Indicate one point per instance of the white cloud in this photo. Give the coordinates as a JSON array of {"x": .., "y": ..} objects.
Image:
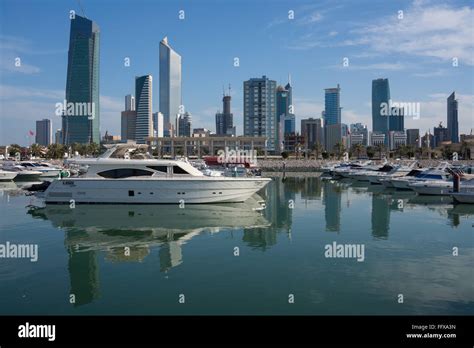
[{"x": 438, "y": 31}]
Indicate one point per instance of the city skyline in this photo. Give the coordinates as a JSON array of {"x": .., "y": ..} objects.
[{"x": 413, "y": 84}]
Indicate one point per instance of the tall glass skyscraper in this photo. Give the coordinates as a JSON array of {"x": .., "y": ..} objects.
[
  {"x": 82, "y": 85},
  {"x": 44, "y": 132},
  {"x": 143, "y": 108},
  {"x": 170, "y": 85},
  {"x": 453, "y": 125},
  {"x": 332, "y": 106},
  {"x": 260, "y": 117},
  {"x": 380, "y": 94}
]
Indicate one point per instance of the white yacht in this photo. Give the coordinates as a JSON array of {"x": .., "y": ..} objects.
[
  {"x": 21, "y": 172},
  {"x": 7, "y": 175},
  {"x": 438, "y": 173},
  {"x": 46, "y": 170},
  {"x": 441, "y": 187},
  {"x": 396, "y": 171},
  {"x": 117, "y": 180}
]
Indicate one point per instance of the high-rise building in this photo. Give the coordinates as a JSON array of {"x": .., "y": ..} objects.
[
  {"x": 158, "y": 124},
  {"x": 128, "y": 120},
  {"x": 143, "y": 108},
  {"x": 413, "y": 137},
  {"x": 129, "y": 103},
  {"x": 260, "y": 110},
  {"x": 312, "y": 131},
  {"x": 333, "y": 136},
  {"x": 44, "y": 132},
  {"x": 225, "y": 120},
  {"x": 396, "y": 120},
  {"x": 183, "y": 125},
  {"x": 332, "y": 106},
  {"x": 380, "y": 94},
  {"x": 58, "y": 136},
  {"x": 359, "y": 129},
  {"x": 453, "y": 126},
  {"x": 81, "y": 124},
  {"x": 440, "y": 134},
  {"x": 170, "y": 85}
]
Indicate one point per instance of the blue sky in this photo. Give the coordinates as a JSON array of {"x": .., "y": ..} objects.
[{"x": 415, "y": 53}]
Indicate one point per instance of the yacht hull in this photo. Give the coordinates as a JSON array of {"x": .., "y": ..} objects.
[
  {"x": 7, "y": 176},
  {"x": 153, "y": 191}
]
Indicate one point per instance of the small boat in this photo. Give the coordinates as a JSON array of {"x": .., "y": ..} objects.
[
  {"x": 22, "y": 173},
  {"x": 6, "y": 175},
  {"x": 463, "y": 197}
]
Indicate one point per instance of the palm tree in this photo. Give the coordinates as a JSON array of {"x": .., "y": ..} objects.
[
  {"x": 317, "y": 148},
  {"x": 56, "y": 151},
  {"x": 339, "y": 147},
  {"x": 13, "y": 149},
  {"x": 358, "y": 149},
  {"x": 36, "y": 150},
  {"x": 380, "y": 149},
  {"x": 93, "y": 149}
]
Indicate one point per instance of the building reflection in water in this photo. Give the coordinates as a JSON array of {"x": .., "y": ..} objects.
[
  {"x": 380, "y": 215},
  {"x": 128, "y": 233},
  {"x": 332, "y": 197}
]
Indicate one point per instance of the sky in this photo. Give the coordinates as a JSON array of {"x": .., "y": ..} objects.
[{"x": 412, "y": 43}]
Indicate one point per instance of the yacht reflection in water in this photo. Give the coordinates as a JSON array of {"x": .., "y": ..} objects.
[{"x": 127, "y": 233}]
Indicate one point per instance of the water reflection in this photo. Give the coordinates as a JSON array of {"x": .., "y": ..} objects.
[{"x": 128, "y": 233}]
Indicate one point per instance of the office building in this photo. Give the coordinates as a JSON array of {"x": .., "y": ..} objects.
[
  {"x": 183, "y": 125},
  {"x": 81, "y": 123},
  {"x": 44, "y": 132},
  {"x": 453, "y": 125},
  {"x": 332, "y": 106},
  {"x": 397, "y": 139},
  {"x": 380, "y": 94},
  {"x": 440, "y": 135},
  {"x": 170, "y": 85},
  {"x": 158, "y": 125},
  {"x": 225, "y": 120},
  {"x": 260, "y": 110},
  {"x": 413, "y": 137},
  {"x": 143, "y": 108},
  {"x": 313, "y": 132}
]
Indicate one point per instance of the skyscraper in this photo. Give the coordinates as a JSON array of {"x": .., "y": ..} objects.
[
  {"x": 158, "y": 124},
  {"x": 332, "y": 106},
  {"x": 453, "y": 126},
  {"x": 440, "y": 134},
  {"x": 143, "y": 107},
  {"x": 396, "y": 120},
  {"x": 260, "y": 110},
  {"x": 380, "y": 94},
  {"x": 312, "y": 131},
  {"x": 129, "y": 102},
  {"x": 44, "y": 132},
  {"x": 170, "y": 85},
  {"x": 183, "y": 125},
  {"x": 225, "y": 120},
  {"x": 413, "y": 137},
  {"x": 82, "y": 124}
]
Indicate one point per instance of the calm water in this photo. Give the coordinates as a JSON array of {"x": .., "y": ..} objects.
[{"x": 408, "y": 243}]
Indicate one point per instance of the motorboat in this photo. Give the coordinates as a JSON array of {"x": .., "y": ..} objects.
[
  {"x": 137, "y": 181},
  {"x": 396, "y": 171},
  {"x": 436, "y": 173},
  {"x": 21, "y": 172},
  {"x": 46, "y": 169},
  {"x": 464, "y": 196},
  {"x": 7, "y": 175}
]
